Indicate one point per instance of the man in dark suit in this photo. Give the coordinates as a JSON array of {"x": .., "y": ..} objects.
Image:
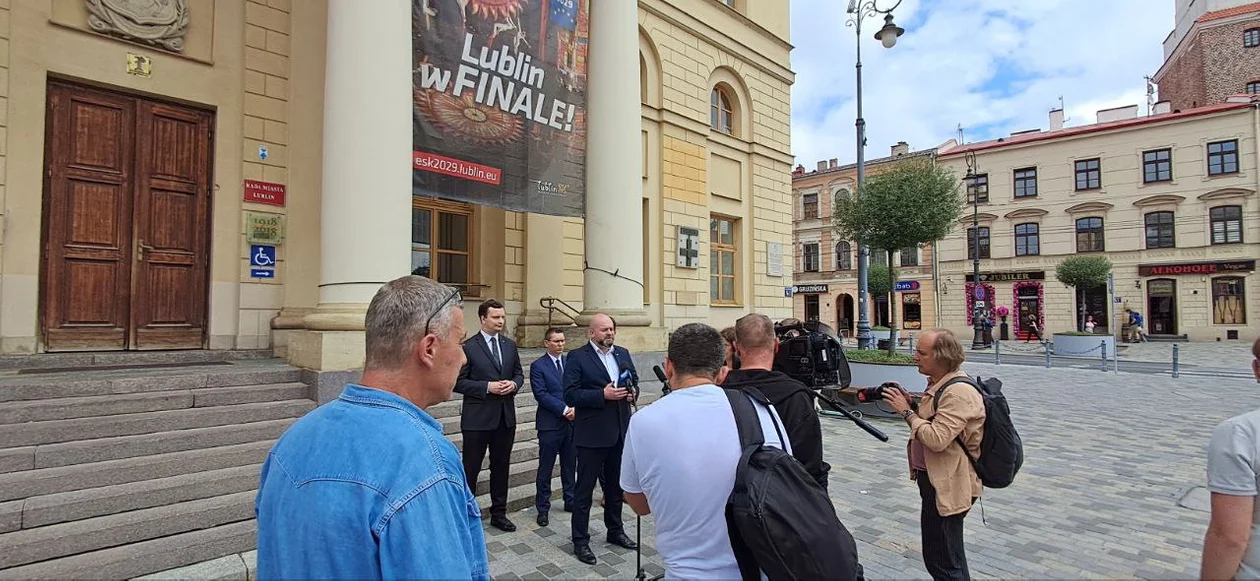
[
  {"x": 489, "y": 382},
  {"x": 599, "y": 382},
  {"x": 555, "y": 424}
]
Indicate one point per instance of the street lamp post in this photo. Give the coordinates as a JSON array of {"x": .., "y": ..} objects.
[
  {"x": 887, "y": 36},
  {"x": 977, "y": 292}
]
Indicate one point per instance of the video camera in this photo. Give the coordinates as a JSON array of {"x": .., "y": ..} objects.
[{"x": 811, "y": 353}]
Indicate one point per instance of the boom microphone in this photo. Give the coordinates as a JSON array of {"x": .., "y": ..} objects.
[{"x": 664, "y": 380}]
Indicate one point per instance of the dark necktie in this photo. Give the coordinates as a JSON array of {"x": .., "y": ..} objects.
[
  {"x": 559, "y": 368},
  {"x": 494, "y": 351}
]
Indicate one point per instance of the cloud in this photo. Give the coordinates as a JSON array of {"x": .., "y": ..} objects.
[{"x": 991, "y": 66}]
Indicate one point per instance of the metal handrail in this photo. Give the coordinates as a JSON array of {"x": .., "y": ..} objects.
[{"x": 549, "y": 303}]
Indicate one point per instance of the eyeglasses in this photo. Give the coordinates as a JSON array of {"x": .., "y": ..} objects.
[{"x": 454, "y": 296}]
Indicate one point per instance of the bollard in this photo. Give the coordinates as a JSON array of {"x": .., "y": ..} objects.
[
  {"x": 1048, "y": 348},
  {"x": 1176, "y": 360},
  {"x": 997, "y": 352},
  {"x": 1115, "y": 360},
  {"x": 1103, "y": 362}
]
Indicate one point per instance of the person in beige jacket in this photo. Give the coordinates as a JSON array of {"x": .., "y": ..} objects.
[{"x": 948, "y": 484}]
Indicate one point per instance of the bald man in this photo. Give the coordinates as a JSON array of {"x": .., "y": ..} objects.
[{"x": 599, "y": 383}]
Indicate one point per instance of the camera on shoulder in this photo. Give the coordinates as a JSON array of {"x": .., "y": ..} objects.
[{"x": 812, "y": 354}]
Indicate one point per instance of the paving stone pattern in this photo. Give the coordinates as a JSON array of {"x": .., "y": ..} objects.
[{"x": 1109, "y": 457}]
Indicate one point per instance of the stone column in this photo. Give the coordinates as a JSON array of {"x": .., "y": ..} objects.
[
  {"x": 365, "y": 217},
  {"x": 614, "y": 187}
]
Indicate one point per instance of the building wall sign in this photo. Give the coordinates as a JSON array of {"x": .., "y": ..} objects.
[
  {"x": 906, "y": 286},
  {"x": 264, "y": 193},
  {"x": 499, "y": 103},
  {"x": 1008, "y": 276},
  {"x": 809, "y": 289},
  {"x": 1201, "y": 268},
  {"x": 774, "y": 259},
  {"x": 264, "y": 228}
]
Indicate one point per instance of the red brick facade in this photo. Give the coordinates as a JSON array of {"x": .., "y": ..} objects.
[{"x": 1211, "y": 64}]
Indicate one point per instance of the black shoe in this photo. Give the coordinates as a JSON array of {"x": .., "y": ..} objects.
[
  {"x": 621, "y": 540},
  {"x": 568, "y": 508},
  {"x": 584, "y": 554},
  {"x": 542, "y": 519},
  {"x": 503, "y": 524}
]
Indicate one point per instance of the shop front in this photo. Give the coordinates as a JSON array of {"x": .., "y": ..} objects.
[
  {"x": 1022, "y": 292},
  {"x": 1197, "y": 300}
]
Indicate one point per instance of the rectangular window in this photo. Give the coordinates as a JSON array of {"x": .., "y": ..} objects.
[
  {"x": 984, "y": 242},
  {"x": 1027, "y": 239},
  {"x": 811, "y": 307},
  {"x": 441, "y": 241},
  {"x": 1251, "y": 37},
  {"x": 878, "y": 257},
  {"x": 1026, "y": 182},
  {"x": 844, "y": 256},
  {"x": 811, "y": 257},
  {"x": 1088, "y": 174},
  {"x": 1253, "y": 88},
  {"x": 810, "y": 204},
  {"x": 1229, "y": 306},
  {"x": 722, "y": 259},
  {"x": 1089, "y": 235},
  {"x": 1226, "y": 224},
  {"x": 1160, "y": 230},
  {"x": 911, "y": 311},
  {"x": 1222, "y": 157},
  {"x": 979, "y": 189},
  {"x": 1157, "y": 166},
  {"x": 909, "y": 256}
]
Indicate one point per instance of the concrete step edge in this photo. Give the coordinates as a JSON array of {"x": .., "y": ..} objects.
[
  {"x": 139, "y": 445},
  {"x": 79, "y": 384}
]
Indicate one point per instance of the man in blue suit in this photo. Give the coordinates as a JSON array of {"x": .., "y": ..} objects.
[
  {"x": 555, "y": 424},
  {"x": 599, "y": 382}
]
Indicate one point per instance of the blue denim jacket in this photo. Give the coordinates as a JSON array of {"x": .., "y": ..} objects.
[{"x": 367, "y": 487}]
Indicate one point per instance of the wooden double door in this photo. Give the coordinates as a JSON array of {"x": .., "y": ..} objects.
[{"x": 126, "y": 222}]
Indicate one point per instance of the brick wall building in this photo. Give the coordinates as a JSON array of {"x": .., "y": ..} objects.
[{"x": 1217, "y": 57}]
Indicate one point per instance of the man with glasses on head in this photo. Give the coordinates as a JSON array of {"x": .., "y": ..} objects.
[
  {"x": 555, "y": 425},
  {"x": 367, "y": 486}
]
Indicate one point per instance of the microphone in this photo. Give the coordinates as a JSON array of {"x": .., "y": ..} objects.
[
  {"x": 664, "y": 380},
  {"x": 627, "y": 379}
]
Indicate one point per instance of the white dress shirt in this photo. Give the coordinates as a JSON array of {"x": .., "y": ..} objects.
[{"x": 610, "y": 362}]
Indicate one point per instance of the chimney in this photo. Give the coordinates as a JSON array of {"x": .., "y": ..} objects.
[
  {"x": 822, "y": 165},
  {"x": 835, "y": 162},
  {"x": 902, "y": 148},
  {"x": 1056, "y": 119},
  {"x": 1118, "y": 114},
  {"x": 1162, "y": 107}
]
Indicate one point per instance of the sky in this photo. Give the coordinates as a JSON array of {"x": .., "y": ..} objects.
[{"x": 992, "y": 66}]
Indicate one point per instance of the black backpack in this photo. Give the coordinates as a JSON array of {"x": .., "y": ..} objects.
[
  {"x": 780, "y": 520},
  {"x": 1001, "y": 451}
]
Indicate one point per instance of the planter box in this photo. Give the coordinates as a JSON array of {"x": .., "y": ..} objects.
[
  {"x": 1083, "y": 345},
  {"x": 872, "y": 374},
  {"x": 877, "y": 335}
]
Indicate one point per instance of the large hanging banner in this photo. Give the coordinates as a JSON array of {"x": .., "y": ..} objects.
[{"x": 500, "y": 103}]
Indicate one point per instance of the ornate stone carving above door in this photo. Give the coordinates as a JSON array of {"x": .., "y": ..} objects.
[{"x": 161, "y": 23}]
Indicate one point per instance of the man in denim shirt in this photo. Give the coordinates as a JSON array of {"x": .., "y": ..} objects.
[{"x": 367, "y": 487}]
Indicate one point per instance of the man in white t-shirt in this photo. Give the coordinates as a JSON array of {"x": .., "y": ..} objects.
[
  {"x": 1231, "y": 548},
  {"x": 680, "y": 458}
]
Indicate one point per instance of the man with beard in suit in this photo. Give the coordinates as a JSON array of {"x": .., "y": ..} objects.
[
  {"x": 600, "y": 381},
  {"x": 489, "y": 382}
]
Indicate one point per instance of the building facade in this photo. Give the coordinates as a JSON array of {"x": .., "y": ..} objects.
[
  {"x": 1213, "y": 53},
  {"x": 143, "y": 164},
  {"x": 1170, "y": 199},
  {"x": 824, "y": 275}
]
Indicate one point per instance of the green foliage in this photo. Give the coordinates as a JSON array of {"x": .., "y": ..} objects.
[
  {"x": 913, "y": 203},
  {"x": 878, "y": 356},
  {"x": 880, "y": 328},
  {"x": 1083, "y": 272},
  {"x": 877, "y": 279}
]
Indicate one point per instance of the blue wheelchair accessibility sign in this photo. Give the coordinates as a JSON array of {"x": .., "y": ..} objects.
[{"x": 264, "y": 256}]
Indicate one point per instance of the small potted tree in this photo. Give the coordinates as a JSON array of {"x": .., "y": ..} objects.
[
  {"x": 1081, "y": 273},
  {"x": 1004, "y": 332}
]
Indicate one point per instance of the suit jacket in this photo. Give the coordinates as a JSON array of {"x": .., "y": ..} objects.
[
  {"x": 484, "y": 410},
  {"x": 598, "y": 423},
  {"x": 548, "y": 387}
]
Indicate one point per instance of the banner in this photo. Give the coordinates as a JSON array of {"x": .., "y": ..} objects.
[{"x": 499, "y": 90}]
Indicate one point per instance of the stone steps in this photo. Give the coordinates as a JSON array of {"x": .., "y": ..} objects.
[{"x": 107, "y": 405}]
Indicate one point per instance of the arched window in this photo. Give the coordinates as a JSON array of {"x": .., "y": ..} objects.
[
  {"x": 841, "y": 194},
  {"x": 720, "y": 110},
  {"x": 844, "y": 256}
]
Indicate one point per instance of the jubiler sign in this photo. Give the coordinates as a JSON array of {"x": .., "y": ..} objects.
[
  {"x": 1196, "y": 268},
  {"x": 499, "y": 90}
]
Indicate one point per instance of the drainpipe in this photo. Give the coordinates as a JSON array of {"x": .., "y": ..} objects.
[
  {"x": 936, "y": 283},
  {"x": 1255, "y": 118}
]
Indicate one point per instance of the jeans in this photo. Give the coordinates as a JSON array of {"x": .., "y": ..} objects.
[{"x": 943, "y": 553}]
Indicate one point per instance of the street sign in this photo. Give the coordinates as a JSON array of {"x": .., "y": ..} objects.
[
  {"x": 262, "y": 255},
  {"x": 787, "y": 291},
  {"x": 979, "y": 293},
  {"x": 906, "y": 285},
  {"x": 262, "y": 273},
  {"x": 689, "y": 248},
  {"x": 1118, "y": 300}
]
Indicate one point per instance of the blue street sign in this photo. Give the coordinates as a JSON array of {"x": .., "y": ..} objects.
[
  {"x": 262, "y": 273},
  {"x": 262, "y": 255},
  {"x": 906, "y": 285},
  {"x": 979, "y": 293}
]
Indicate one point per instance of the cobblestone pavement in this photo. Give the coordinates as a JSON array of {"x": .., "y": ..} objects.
[{"x": 1103, "y": 492}]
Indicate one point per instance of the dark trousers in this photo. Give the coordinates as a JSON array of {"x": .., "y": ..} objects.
[
  {"x": 499, "y": 442},
  {"x": 593, "y": 464},
  {"x": 943, "y": 553},
  {"x": 550, "y": 444}
]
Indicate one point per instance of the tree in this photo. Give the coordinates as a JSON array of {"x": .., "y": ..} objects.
[
  {"x": 1083, "y": 272},
  {"x": 912, "y": 203},
  {"x": 880, "y": 281}
]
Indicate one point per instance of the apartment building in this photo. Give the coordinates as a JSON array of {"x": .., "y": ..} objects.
[
  {"x": 1214, "y": 52},
  {"x": 825, "y": 273},
  {"x": 1169, "y": 198}
]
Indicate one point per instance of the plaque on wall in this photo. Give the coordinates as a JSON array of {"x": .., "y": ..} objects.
[{"x": 774, "y": 258}]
